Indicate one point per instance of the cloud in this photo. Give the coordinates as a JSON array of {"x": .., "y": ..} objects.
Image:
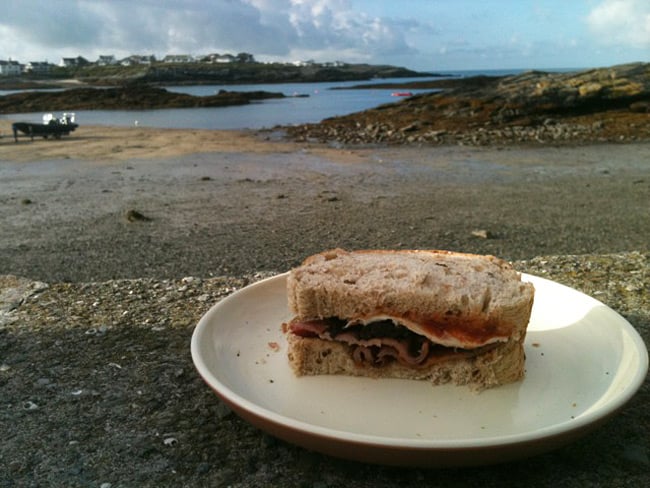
[
  {"x": 332, "y": 26},
  {"x": 48, "y": 23},
  {"x": 624, "y": 22},
  {"x": 274, "y": 29}
]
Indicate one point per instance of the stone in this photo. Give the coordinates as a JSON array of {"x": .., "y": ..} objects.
[
  {"x": 135, "y": 216},
  {"x": 483, "y": 234}
]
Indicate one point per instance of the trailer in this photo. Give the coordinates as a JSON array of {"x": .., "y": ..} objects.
[{"x": 51, "y": 127}]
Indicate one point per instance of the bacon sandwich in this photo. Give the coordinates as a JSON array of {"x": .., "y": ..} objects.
[{"x": 440, "y": 316}]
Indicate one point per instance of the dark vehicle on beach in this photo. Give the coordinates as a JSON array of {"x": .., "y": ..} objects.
[{"x": 51, "y": 126}]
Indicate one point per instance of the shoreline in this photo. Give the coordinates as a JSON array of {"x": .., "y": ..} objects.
[
  {"x": 121, "y": 143},
  {"x": 114, "y": 143},
  {"x": 229, "y": 202}
]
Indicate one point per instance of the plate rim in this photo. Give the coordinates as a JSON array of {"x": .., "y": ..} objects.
[{"x": 583, "y": 422}]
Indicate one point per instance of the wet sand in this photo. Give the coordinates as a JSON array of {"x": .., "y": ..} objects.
[{"x": 110, "y": 203}]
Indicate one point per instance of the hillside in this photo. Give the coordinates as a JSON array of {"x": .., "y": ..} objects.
[{"x": 209, "y": 73}]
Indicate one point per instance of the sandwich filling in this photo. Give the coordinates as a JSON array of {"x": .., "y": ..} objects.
[{"x": 381, "y": 340}]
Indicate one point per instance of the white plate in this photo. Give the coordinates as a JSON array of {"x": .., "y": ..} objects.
[{"x": 583, "y": 363}]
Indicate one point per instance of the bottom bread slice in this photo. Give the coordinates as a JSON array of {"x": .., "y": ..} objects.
[{"x": 498, "y": 365}]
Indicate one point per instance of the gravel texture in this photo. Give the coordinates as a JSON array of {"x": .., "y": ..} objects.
[
  {"x": 229, "y": 213},
  {"x": 98, "y": 389},
  {"x": 107, "y": 265}
]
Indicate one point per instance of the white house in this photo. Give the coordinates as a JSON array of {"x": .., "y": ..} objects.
[
  {"x": 224, "y": 58},
  {"x": 309, "y": 62},
  {"x": 178, "y": 58},
  {"x": 138, "y": 59},
  {"x": 37, "y": 67},
  {"x": 9, "y": 68},
  {"x": 218, "y": 58}
]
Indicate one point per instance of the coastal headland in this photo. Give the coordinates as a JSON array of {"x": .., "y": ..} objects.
[
  {"x": 606, "y": 104},
  {"x": 160, "y": 73}
]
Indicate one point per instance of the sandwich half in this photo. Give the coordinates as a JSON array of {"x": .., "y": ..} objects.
[{"x": 440, "y": 316}]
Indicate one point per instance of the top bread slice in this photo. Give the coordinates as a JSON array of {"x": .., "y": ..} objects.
[{"x": 473, "y": 293}]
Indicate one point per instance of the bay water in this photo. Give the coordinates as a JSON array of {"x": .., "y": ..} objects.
[{"x": 304, "y": 103}]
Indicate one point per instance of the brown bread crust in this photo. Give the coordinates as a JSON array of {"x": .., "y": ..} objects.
[
  {"x": 475, "y": 297},
  {"x": 497, "y": 366},
  {"x": 479, "y": 294}
]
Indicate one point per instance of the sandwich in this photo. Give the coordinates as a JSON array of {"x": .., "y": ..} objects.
[{"x": 440, "y": 316}]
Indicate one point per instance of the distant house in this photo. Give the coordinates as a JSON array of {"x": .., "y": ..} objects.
[
  {"x": 227, "y": 58},
  {"x": 78, "y": 61},
  {"x": 309, "y": 62},
  {"x": 218, "y": 58},
  {"x": 136, "y": 59},
  {"x": 9, "y": 68},
  {"x": 178, "y": 58},
  {"x": 38, "y": 67},
  {"x": 224, "y": 58},
  {"x": 106, "y": 60}
]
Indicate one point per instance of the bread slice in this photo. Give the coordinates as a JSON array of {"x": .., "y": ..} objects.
[
  {"x": 476, "y": 307},
  {"x": 479, "y": 370}
]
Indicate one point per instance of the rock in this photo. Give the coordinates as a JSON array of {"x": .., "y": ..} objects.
[
  {"x": 483, "y": 234},
  {"x": 130, "y": 96},
  {"x": 410, "y": 128},
  {"x": 134, "y": 216},
  {"x": 640, "y": 107},
  {"x": 590, "y": 89},
  {"x": 14, "y": 290}
]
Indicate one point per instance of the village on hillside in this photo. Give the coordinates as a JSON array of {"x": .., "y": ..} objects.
[{"x": 10, "y": 67}]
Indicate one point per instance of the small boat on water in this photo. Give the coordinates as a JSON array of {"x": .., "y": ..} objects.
[
  {"x": 51, "y": 126},
  {"x": 402, "y": 94}
]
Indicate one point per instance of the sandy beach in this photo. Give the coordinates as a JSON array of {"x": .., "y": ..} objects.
[
  {"x": 110, "y": 203},
  {"x": 98, "y": 143}
]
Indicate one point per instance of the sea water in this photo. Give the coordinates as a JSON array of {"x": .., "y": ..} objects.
[
  {"x": 316, "y": 102},
  {"x": 322, "y": 100}
]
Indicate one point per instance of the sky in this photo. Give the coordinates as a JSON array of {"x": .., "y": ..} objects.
[{"x": 425, "y": 35}]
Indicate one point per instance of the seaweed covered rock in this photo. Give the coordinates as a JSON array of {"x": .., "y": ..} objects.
[{"x": 136, "y": 96}]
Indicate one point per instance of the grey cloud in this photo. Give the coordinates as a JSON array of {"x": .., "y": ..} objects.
[
  {"x": 51, "y": 23},
  {"x": 263, "y": 27}
]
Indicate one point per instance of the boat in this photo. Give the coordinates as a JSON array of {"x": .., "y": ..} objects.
[
  {"x": 51, "y": 126},
  {"x": 402, "y": 94}
]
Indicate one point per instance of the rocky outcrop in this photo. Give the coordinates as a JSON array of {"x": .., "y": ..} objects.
[
  {"x": 137, "y": 96},
  {"x": 600, "y": 104}
]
